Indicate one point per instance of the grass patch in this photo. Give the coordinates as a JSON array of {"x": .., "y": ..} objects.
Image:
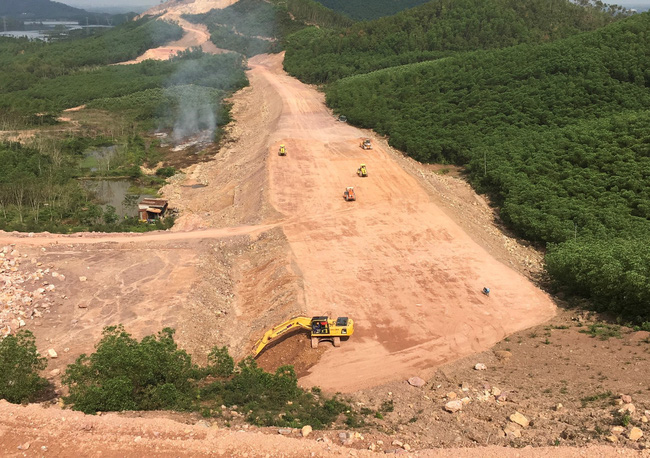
[
  {"x": 603, "y": 331},
  {"x": 596, "y": 397}
]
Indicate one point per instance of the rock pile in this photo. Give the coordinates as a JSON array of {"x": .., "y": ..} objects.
[{"x": 25, "y": 294}]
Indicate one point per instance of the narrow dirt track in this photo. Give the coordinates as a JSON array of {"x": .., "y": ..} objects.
[{"x": 393, "y": 261}]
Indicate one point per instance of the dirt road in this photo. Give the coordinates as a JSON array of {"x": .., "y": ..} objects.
[{"x": 392, "y": 260}]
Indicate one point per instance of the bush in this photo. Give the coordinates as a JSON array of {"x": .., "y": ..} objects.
[
  {"x": 124, "y": 374},
  {"x": 19, "y": 366},
  {"x": 166, "y": 172}
]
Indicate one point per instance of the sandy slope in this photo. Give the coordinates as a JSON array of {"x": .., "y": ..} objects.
[{"x": 392, "y": 260}]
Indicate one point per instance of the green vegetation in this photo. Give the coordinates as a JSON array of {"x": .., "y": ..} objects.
[
  {"x": 596, "y": 397},
  {"x": 603, "y": 331},
  {"x": 363, "y": 10},
  {"x": 19, "y": 366},
  {"x": 153, "y": 374},
  {"x": 556, "y": 134},
  {"x": 253, "y": 27},
  {"x": 436, "y": 29}
]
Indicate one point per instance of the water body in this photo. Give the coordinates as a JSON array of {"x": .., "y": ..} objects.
[
  {"x": 41, "y": 30},
  {"x": 115, "y": 193}
]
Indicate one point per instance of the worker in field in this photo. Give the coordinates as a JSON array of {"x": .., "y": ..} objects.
[{"x": 486, "y": 291}]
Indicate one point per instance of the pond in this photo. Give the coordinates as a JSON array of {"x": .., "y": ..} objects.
[{"x": 115, "y": 193}]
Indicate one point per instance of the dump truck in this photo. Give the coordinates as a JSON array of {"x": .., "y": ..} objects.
[
  {"x": 321, "y": 329},
  {"x": 362, "y": 171},
  {"x": 282, "y": 151},
  {"x": 349, "y": 194},
  {"x": 365, "y": 144}
]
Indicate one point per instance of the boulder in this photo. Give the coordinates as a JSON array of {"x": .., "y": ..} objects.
[
  {"x": 502, "y": 354},
  {"x": 306, "y": 430},
  {"x": 480, "y": 367},
  {"x": 626, "y": 398},
  {"x": 454, "y": 406},
  {"x": 512, "y": 431},
  {"x": 416, "y": 381},
  {"x": 519, "y": 419},
  {"x": 635, "y": 434},
  {"x": 52, "y": 353}
]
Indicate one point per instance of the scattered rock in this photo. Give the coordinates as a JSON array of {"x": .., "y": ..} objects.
[
  {"x": 627, "y": 408},
  {"x": 503, "y": 355},
  {"x": 512, "y": 431},
  {"x": 635, "y": 434},
  {"x": 612, "y": 438},
  {"x": 519, "y": 419},
  {"x": 24, "y": 446},
  {"x": 285, "y": 431},
  {"x": 397, "y": 443},
  {"x": 82, "y": 279},
  {"x": 55, "y": 372},
  {"x": 451, "y": 395},
  {"x": 559, "y": 407},
  {"x": 81, "y": 305},
  {"x": 626, "y": 398},
  {"x": 617, "y": 430},
  {"x": 644, "y": 419},
  {"x": 306, "y": 430},
  {"x": 454, "y": 406},
  {"x": 52, "y": 353},
  {"x": 416, "y": 381},
  {"x": 466, "y": 400},
  {"x": 502, "y": 397},
  {"x": 407, "y": 447},
  {"x": 496, "y": 391},
  {"x": 480, "y": 367}
]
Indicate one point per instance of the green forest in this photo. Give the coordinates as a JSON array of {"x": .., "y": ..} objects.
[
  {"x": 364, "y": 10},
  {"x": 253, "y": 27},
  {"x": 39, "y": 181},
  {"x": 436, "y": 29},
  {"x": 556, "y": 133}
]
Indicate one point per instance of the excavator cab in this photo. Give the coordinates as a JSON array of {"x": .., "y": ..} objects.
[
  {"x": 319, "y": 325},
  {"x": 349, "y": 194},
  {"x": 282, "y": 151},
  {"x": 362, "y": 171}
]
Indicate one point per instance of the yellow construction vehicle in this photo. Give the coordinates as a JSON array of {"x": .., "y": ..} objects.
[
  {"x": 366, "y": 144},
  {"x": 362, "y": 171},
  {"x": 282, "y": 151},
  {"x": 321, "y": 329}
]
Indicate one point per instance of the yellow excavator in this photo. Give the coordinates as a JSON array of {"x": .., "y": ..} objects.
[
  {"x": 362, "y": 171},
  {"x": 366, "y": 144},
  {"x": 282, "y": 151},
  {"x": 321, "y": 329}
]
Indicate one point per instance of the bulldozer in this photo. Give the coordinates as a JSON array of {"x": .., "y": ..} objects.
[
  {"x": 365, "y": 144},
  {"x": 282, "y": 151},
  {"x": 321, "y": 329},
  {"x": 362, "y": 171},
  {"x": 349, "y": 194}
]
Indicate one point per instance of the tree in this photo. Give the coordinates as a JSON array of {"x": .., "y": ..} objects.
[{"x": 19, "y": 366}]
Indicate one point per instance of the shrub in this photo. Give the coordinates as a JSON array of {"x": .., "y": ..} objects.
[
  {"x": 124, "y": 374},
  {"x": 220, "y": 363},
  {"x": 19, "y": 366},
  {"x": 166, "y": 172}
]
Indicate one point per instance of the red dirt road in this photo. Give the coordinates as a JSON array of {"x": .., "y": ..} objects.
[{"x": 393, "y": 261}]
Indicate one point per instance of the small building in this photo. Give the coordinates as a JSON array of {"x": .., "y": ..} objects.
[{"x": 152, "y": 209}]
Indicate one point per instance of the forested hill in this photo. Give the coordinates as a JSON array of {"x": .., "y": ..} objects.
[
  {"x": 436, "y": 29},
  {"x": 39, "y": 9},
  {"x": 363, "y": 10},
  {"x": 556, "y": 133}
]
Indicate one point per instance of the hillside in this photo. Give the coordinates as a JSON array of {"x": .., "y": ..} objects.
[
  {"x": 39, "y": 9},
  {"x": 555, "y": 133},
  {"x": 433, "y": 30},
  {"x": 363, "y": 10}
]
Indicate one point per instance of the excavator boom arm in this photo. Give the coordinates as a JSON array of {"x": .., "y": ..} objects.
[{"x": 290, "y": 325}]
